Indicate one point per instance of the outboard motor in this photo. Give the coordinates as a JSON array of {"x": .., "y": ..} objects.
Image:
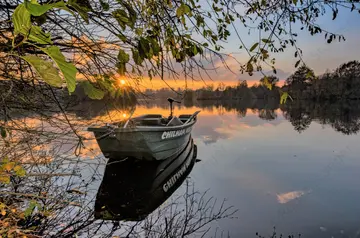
[{"x": 171, "y": 100}]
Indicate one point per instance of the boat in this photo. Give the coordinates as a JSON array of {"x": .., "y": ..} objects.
[
  {"x": 132, "y": 189},
  {"x": 146, "y": 137}
]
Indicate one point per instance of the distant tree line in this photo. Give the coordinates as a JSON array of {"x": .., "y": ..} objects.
[{"x": 341, "y": 84}]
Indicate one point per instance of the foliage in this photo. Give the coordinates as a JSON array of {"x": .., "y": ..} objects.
[
  {"x": 9, "y": 169},
  {"x": 341, "y": 84},
  {"x": 145, "y": 38}
]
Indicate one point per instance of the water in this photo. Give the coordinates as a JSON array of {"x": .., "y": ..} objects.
[{"x": 295, "y": 167}]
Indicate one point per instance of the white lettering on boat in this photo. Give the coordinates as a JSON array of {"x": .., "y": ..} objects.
[
  {"x": 176, "y": 176},
  {"x": 172, "y": 134}
]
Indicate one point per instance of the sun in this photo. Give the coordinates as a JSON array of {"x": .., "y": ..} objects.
[{"x": 122, "y": 82}]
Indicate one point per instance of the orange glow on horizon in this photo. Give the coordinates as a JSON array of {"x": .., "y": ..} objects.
[{"x": 157, "y": 83}]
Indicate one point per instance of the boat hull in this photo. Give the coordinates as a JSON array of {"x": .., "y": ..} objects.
[
  {"x": 131, "y": 189},
  {"x": 157, "y": 143}
]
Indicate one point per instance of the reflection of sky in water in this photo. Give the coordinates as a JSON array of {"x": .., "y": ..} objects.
[{"x": 302, "y": 183}]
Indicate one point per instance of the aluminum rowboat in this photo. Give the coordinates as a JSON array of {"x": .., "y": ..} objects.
[{"x": 147, "y": 137}]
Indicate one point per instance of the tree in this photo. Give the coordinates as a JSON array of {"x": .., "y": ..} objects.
[
  {"x": 299, "y": 81},
  {"x": 221, "y": 86},
  {"x": 144, "y": 38}
]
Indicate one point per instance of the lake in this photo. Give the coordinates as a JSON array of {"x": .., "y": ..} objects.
[{"x": 295, "y": 167}]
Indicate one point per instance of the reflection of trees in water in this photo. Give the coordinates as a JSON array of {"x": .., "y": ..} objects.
[
  {"x": 300, "y": 120},
  {"x": 343, "y": 117},
  {"x": 267, "y": 114}
]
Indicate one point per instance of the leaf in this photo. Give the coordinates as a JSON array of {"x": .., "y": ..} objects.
[
  {"x": 82, "y": 7},
  {"x": 3, "y": 132},
  {"x": 36, "y": 9},
  {"x": 121, "y": 68},
  {"x": 249, "y": 67},
  {"x": 21, "y": 20},
  {"x": 8, "y": 166},
  {"x": 139, "y": 31},
  {"x": 182, "y": 10},
  {"x": 122, "y": 18},
  {"x": 254, "y": 46},
  {"x": 266, "y": 41},
  {"x": 29, "y": 210},
  {"x": 274, "y": 70},
  {"x": 37, "y": 35},
  {"x": 136, "y": 56},
  {"x": 267, "y": 83},
  {"x": 297, "y": 63},
  {"x": 4, "y": 179},
  {"x": 91, "y": 91},
  {"x": 68, "y": 69},
  {"x": 45, "y": 69},
  {"x": 19, "y": 171},
  {"x": 194, "y": 49},
  {"x": 123, "y": 57},
  {"x": 104, "y": 5},
  {"x": 284, "y": 97}
]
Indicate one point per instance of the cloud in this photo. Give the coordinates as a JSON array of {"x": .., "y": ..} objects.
[{"x": 289, "y": 196}]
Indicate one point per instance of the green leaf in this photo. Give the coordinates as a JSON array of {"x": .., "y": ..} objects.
[
  {"x": 123, "y": 57},
  {"x": 122, "y": 18},
  {"x": 68, "y": 69},
  {"x": 121, "y": 68},
  {"x": 182, "y": 10},
  {"x": 19, "y": 171},
  {"x": 36, "y": 9},
  {"x": 3, "y": 132},
  {"x": 139, "y": 31},
  {"x": 38, "y": 36},
  {"x": 104, "y": 5},
  {"x": 91, "y": 91},
  {"x": 21, "y": 20},
  {"x": 297, "y": 63},
  {"x": 136, "y": 56},
  {"x": 29, "y": 210},
  {"x": 254, "y": 46},
  {"x": 194, "y": 49},
  {"x": 266, "y": 41},
  {"x": 45, "y": 69},
  {"x": 82, "y": 7},
  {"x": 284, "y": 97}
]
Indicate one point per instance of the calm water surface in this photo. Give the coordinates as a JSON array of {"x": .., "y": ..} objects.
[
  {"x": 300, "y": 182},
  {"x": 294, "y": 167}
]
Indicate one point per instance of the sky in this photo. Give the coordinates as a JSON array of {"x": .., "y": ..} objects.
[{"x": 317, "y": 54}]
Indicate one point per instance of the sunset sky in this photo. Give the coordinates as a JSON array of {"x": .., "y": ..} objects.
[{"x": 317, "y": 53}]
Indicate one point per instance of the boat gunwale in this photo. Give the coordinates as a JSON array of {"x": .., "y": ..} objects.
[{"x": 141, "y": 128}]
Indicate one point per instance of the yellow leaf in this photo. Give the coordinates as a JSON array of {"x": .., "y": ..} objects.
[
  {"x": 3, "y": 212},
  {"x": 4, "y": 179},
  {"x": 8, "y": 166}
]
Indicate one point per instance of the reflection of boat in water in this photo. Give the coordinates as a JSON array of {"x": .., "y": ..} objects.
[
  {"x": 132, "y": 189},
  {"x": 149, "y": 137}
]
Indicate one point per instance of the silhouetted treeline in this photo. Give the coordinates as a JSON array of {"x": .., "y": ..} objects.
[
  {"x": 264, "y": 90},
  {"x": 341, "y": 84}
]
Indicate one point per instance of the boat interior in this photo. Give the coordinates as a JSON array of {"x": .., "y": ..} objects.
[{"x": 159, "y": 120}]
